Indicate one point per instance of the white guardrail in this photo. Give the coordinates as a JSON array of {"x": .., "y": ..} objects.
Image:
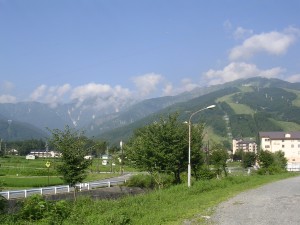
[{"x": 59, "y": 189}]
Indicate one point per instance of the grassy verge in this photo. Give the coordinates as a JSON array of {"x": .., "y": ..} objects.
[{"x": 171, "y": 206}]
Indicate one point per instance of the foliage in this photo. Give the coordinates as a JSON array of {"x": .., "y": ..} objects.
[
  {"x": 219, "y": 157},
  {"x": 34, "y": 208},
  {"x": 206, "y": 174},
  {"x": 142, "y": 181},
  {"x": 150, "y": 181},
  {"x": 265, "y": 159},
  {"x": 3, "y": 201},
  {"x": 280, "y": 160},
  {"x": 161, "y": 147},
  {"x": 271, "y": 163},
  {"x": 25, "y": 146},
  {"x": 248, "y": 159},
  {"x": 238, "y": 155},
  {"x": 73, "y": 146}
]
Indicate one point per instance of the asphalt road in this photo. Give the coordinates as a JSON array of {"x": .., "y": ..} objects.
[{"x": 272, "y": 204}]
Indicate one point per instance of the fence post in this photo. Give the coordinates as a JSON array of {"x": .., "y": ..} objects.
[
  {"x": 55, "y": 190},
  {"x": 25, "y": 193},
  {"x": 41, "y": 191},
  {"x": 88, "y": 184},
  {"x": 108, "y": 183},
  {"x": 68, "y": 188},
  {"x": 8, "y": 195}
]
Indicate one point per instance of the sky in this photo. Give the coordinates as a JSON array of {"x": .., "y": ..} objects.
[{"x": 64, "y": 50}]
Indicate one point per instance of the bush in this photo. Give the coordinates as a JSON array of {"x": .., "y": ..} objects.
[
  {"x": 142, "y": 181},
  {"x": 156, "y": 180},
  {"x": 34, "y": 208},
  {"x": 3, "y": 204},
  {"x": 206, "y": 174}
]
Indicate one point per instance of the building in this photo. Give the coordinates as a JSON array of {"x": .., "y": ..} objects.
[
  {"x": 244, "y": 144},
  {"x": 45, "y": 154},
  {"x": 288, "y": 142}
]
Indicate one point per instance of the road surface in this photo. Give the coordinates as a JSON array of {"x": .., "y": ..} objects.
[{"x": 272, "y": 204}]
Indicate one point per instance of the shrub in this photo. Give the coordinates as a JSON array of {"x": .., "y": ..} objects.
[
  {"x": 3, "y": 204},
  {"x": 206, "y": 174},
  {"x": 34, "y": 208},
  {"x": 142, "y": 181}
]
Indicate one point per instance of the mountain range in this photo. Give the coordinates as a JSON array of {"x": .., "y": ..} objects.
[{"x": 244, "y": 107}]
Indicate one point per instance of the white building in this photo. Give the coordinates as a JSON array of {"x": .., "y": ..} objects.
[
  {"x": 244, "y": 144},
  {"x": 45, "y": 154},
  {"x": 288, "y": 142}
]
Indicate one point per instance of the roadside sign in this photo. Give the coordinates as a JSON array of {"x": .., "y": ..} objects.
[{"x": 48, "y": 164}]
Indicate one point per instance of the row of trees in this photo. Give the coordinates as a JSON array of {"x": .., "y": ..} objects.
[{"x": 267, "y": 161}]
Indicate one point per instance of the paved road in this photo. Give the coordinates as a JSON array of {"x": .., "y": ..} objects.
[{"x": 272, "y": 204}]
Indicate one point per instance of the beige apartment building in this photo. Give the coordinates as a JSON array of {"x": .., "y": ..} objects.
[
  {"x": 244, "y": 144},
  {"x": 288, "y": 142}
]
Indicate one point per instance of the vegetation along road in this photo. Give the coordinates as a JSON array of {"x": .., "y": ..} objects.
[{"x": 275, "y": 203}]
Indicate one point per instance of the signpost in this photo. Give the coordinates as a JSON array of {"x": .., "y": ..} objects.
[{"x": 48, "y": 164}]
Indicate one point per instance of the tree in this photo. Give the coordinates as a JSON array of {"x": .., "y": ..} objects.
[
  {"x": 219, "y": 158},
  {"x": 265, "y": 159},
  {"x": 72, "y": 145},
  {"x": 248, "y": 159},
  {"x": 272, "y": 163},
  {"x": 162, "y": 147}
]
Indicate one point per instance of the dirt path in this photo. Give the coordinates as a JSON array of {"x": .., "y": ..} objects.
[{"x": 275, "y": 203}]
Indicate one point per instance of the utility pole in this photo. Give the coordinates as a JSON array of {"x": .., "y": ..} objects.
[
  {"x": 0, "y": 145},
  {"x": 122, "y": 156}
]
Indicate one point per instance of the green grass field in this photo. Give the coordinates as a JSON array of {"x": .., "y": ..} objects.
[{"x": 18, "y": 173}]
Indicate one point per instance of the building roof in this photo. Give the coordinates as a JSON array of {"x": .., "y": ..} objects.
[{"x": 280, "y": 135}]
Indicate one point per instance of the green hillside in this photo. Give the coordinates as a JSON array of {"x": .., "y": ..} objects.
[
  {"x": 243, "y": 109},
  {"x": 14, "y": 130}
]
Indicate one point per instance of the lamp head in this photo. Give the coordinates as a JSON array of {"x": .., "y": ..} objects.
[{"x": 211, "y": 107}]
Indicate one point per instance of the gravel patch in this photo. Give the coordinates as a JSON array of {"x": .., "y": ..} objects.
[{"x": 271, "y": 204}]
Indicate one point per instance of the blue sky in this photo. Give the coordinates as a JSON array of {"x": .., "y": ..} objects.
[{"x": 61, "y": 50}]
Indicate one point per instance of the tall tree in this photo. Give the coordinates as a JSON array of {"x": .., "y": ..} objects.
[
  {"x": 219, "y": 158},
  {"x": 73, "y": 146},
  {"x": 162, "y": 147}
]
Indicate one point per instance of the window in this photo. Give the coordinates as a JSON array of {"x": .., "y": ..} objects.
[
  {"x": 267, "y": 146},
  {"x": 282, "y": 146},
  {"x": 292, "y": 146}
]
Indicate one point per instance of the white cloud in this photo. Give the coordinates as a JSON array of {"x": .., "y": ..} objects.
[
  {"x": 274, "y": 43},
  {"x": 38, "y": 93},
  {"x": 7, "y": 99},
  {"x": 236, "y": 70},
  {"x": 147, "y": 83},
  {"x": 294, "y": 78},
  {"x": 241, "y": 33},
  {"x": 168, "y": 90},
  {"x": 51, "y": 95},
  {"x": 103, "y": 94}
]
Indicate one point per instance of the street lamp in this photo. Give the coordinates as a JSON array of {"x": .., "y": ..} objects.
[{"x": 190, "y": 125}]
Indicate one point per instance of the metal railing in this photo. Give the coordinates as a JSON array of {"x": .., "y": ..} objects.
[{"x": 59, "y": 189}]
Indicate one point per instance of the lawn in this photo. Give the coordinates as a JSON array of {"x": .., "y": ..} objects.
[{"x": 18, "y": 173}]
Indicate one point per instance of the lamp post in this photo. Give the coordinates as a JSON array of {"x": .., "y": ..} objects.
[
  {"x": 122, "y": 156},
  {"x": 190, "y": 128}
]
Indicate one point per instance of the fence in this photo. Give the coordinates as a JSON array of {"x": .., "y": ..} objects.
[{"x": 59, "y": 189}]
